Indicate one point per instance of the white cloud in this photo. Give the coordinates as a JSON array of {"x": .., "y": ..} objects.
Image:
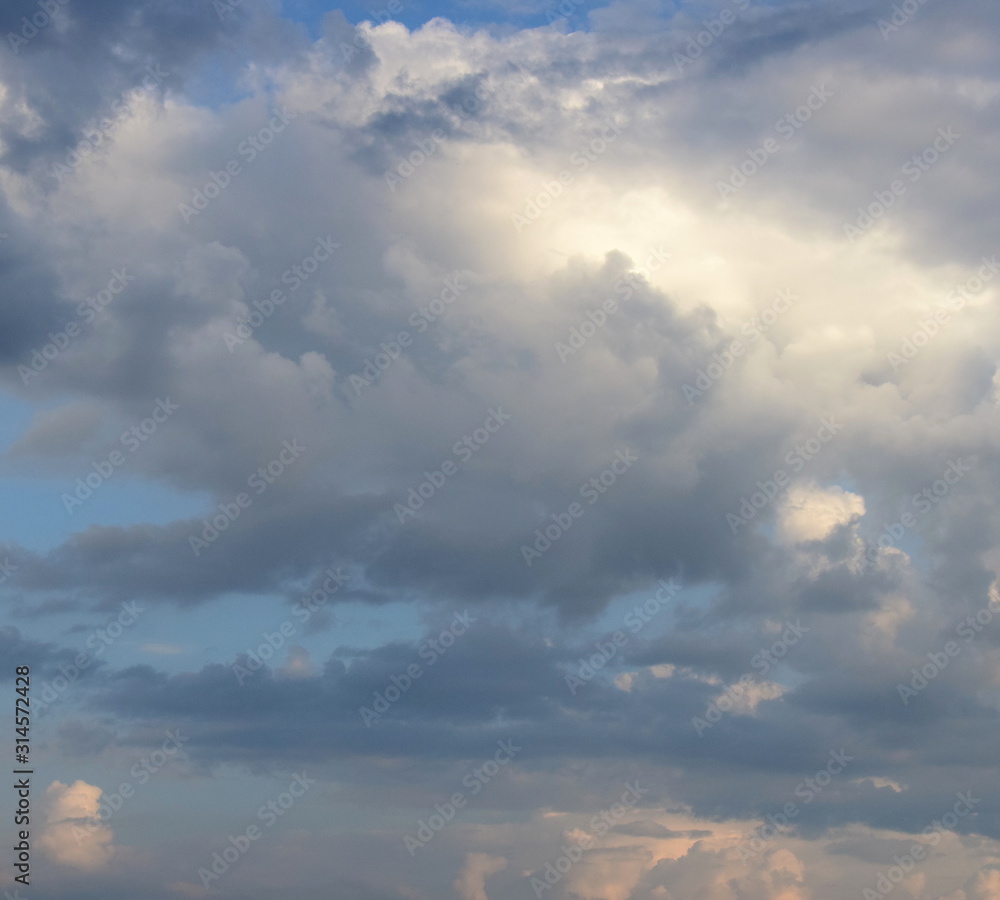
[
  {"x": 74, "y": 835},
  {"x": 471, "y": 882},
  {"x": 811, "y": 513}
]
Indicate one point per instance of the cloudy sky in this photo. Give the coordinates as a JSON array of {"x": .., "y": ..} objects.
[{"x": 496, "y": 449}]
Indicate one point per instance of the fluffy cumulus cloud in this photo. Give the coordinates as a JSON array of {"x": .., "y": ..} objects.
[
  {"x": 74, "y": 835},
  {"x": 529, "y": 449},
  {"x": 471, "y": 882}
]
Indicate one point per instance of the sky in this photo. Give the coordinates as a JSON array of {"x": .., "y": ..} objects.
[{"x": 500, "y": 450}]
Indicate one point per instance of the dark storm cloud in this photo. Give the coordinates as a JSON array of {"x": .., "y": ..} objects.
[
  {"x": 44, "y": 659},
  {"x": 495, "y": 684},
  {"x": 72, "y": 67}
]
